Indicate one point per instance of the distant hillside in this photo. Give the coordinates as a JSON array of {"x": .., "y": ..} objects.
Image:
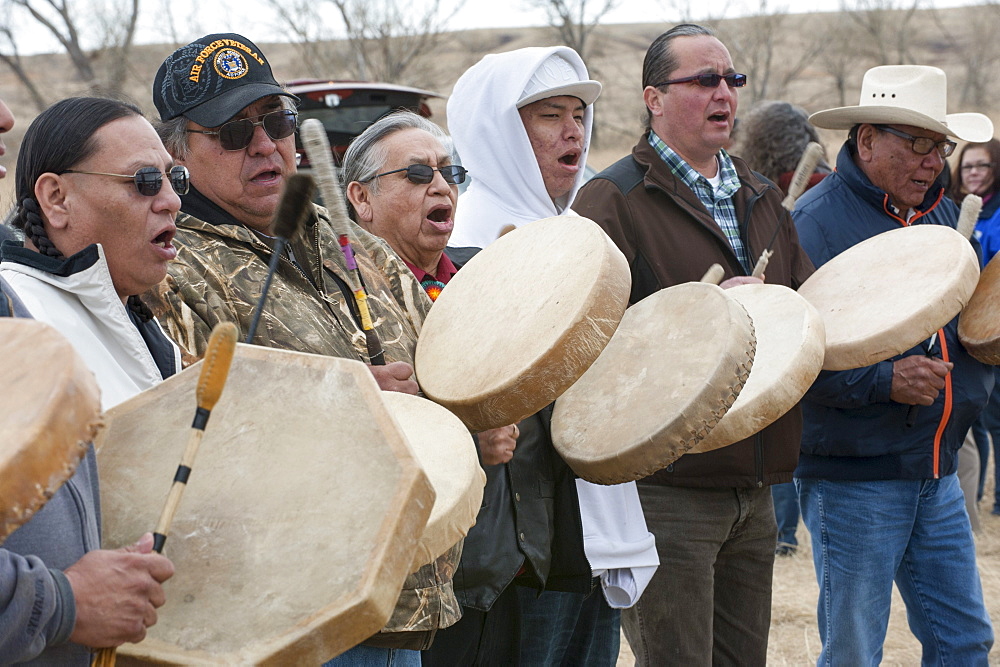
[{"x": 803, "y": 56}]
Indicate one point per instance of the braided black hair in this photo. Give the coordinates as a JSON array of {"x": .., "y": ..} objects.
[{"x": 58, "y": 139}]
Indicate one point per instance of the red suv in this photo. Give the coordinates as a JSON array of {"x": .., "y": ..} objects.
[{"x": 347, "y": 108}]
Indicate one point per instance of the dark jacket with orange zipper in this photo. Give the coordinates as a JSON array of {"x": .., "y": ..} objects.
[{"x": 852, "y": 430}]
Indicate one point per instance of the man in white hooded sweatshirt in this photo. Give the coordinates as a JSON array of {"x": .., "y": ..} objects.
[{"x": 521, "y": 123}]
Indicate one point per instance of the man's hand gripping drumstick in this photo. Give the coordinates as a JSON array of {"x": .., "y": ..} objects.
[
  {"x": 917, "y": 379},
  {"x": 803, "y": 172},
  {"x": 214, "y": 371}
]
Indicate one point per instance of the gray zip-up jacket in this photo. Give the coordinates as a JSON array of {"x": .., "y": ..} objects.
[{"x": 37, "y": 611}]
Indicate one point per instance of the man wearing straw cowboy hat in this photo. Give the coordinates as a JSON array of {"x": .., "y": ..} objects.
[{"x": 881, "y": 499}]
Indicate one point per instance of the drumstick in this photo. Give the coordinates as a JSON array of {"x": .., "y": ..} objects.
[
  {"x": 214, "y": 370},
  {"x": 803, "y": 172},
  {"x": 317, "y": 146},
  {"x": 911, "y": 413},
  {"x": 969, "y": 215},
  {"x": 506, "y": 229},
  {"x": 291, "y": 213},
  {"x": 713, "y": 275},
  {"x": 375, "y": 353}
]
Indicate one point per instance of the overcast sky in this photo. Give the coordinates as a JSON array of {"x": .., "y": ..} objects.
[{"x": 253, "y": 19}]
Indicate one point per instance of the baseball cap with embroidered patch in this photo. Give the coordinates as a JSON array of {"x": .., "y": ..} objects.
[
  {"x": 212, "y": 79},
  {"x": 556, "y": 77}
]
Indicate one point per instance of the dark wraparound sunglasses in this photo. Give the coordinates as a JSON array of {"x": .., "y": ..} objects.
[
  {"x": 921, "y": 145},
  {"x": 149, "y": 180},
  {"x": 237, "y": 134},
  {"x": 709, "y": 80},
  {"x": 422, "y": 174}
]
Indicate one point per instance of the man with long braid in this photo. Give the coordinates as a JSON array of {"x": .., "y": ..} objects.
[{"x": 98, "y": 219}]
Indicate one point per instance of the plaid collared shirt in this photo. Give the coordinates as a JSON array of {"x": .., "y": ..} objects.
[{"x": 719, "y": 202}]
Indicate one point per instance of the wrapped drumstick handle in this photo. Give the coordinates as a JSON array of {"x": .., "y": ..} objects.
[
  {"x": 969, "y": 215},
  {"x": 214, "y": 371},
  {"x": 317, "y": 146},
  {"x": 714, "y": 275},
  {"x": 803, "y": 172}
]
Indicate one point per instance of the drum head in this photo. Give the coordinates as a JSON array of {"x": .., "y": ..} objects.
[
  {"x": 673, "y": 368},
  {"x": 789, "y": 356},
  {"x": 52, "y": 410},
  {"x": 299, "y": 522},
  {"x": 445, "y": 449},
  {"x": 522, "y": 321},
  {"x": 979, "y": 323},
  {"x": 888, "y": 293}
]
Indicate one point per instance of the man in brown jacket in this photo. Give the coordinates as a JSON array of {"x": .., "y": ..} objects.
[{"x": 675, "y": 206}]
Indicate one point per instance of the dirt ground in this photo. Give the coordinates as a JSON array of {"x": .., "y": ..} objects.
[{"x": 794, "y": 639}]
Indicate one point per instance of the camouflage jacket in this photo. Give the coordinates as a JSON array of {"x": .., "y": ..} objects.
[{"x": 218, "y": 276}]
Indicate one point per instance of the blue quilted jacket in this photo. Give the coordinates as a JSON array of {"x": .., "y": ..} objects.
[{"x": 852, "y": 430}]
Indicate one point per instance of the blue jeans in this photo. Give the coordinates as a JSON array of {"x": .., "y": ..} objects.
[
  {"x": 865, "y": 535},
  {"x": 568, "y": 628},
  {"x": 786, "y": 512},
  {"x": 373, "y": 656}
]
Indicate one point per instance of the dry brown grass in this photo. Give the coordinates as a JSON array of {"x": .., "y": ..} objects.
[{"x": 794, "y": 639}]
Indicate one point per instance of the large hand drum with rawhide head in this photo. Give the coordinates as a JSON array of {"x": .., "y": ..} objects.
[
  {"x": 673, "y": 368},
  {"x": 886, "y": 294},
  {"x": 51, "y": 411},
  {"x": 979, "y": 323},
  {"x": 789, "y": 356},
  {"x": 446, "y": 451},
  {"x": 300, "y": 519},
  {"x": 522, "y": 321}
]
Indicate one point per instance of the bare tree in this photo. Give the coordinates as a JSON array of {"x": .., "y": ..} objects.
[
  {"x": 840, "y": 56},
  {"x": 302, "y": 22},
  {"x": 113, "y": 29},
  {"x": 757, "y": 42},
  {"x": 978, "y": 51},
  {"x": 886, "y": 28},
  {"x": 10, "y": 57},
  {"x": 116, "y": 42},
  {"x": 575, "y": 20},
  {"x": 387, "y": 36}
]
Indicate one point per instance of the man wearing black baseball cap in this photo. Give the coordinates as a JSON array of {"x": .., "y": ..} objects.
[{"x": 226, "y": 118}]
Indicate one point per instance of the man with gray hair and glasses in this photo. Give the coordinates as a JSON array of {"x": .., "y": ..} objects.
[{"x": 678, "y": 204}]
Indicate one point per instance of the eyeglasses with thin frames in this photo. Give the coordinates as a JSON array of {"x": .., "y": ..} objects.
[
  {"x": 237, "y": 134},
  {"x": 981, "y": 166},
  {"x": 422, "y": 174},
  {"x": 149, "y": 180},
  {"x": 711, "y": 80},
  {"x": 921, "y": 145}
]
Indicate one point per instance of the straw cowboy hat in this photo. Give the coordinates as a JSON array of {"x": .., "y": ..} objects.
[{"x": 914, "y": 95}]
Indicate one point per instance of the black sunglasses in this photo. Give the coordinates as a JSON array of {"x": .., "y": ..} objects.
[
  {"x": 149, "y": 180},
  {"x": 921, "y": 145},
  {"x": 422, "y": 174},
  {"x": 237, "y": 134},
  {"x": 709, "y": 80}
]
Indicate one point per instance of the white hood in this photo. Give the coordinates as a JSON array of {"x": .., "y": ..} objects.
[{"x": 490, "y": 139}]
